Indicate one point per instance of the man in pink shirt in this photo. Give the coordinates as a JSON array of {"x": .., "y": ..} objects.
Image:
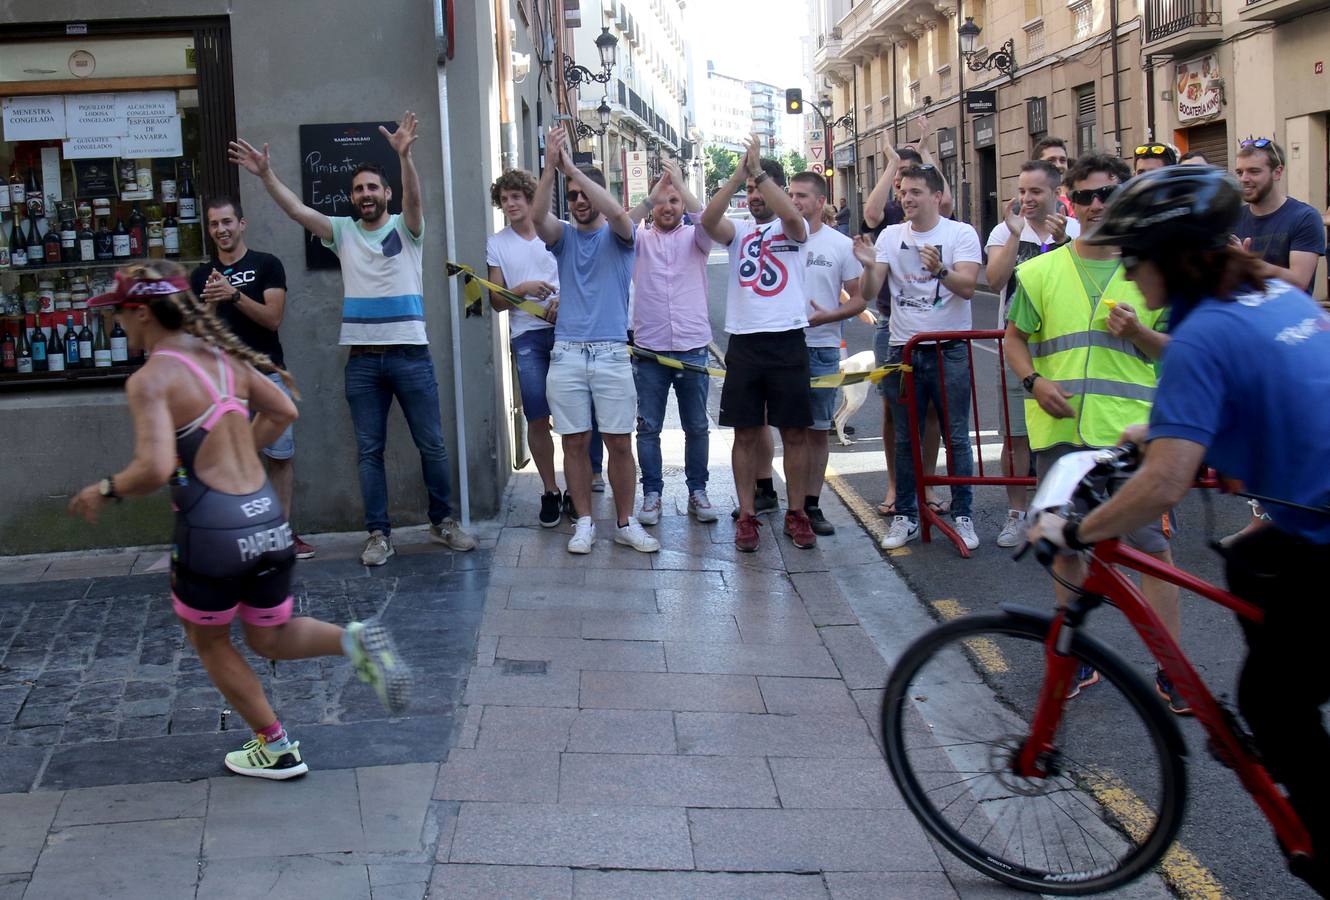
[{"x": 670, "y": 318}]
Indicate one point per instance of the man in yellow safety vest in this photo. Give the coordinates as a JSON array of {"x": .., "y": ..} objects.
[{"x": 1084, "y": 345}]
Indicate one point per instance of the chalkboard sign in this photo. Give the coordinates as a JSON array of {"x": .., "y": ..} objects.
[{"x": 328, "y": 156}]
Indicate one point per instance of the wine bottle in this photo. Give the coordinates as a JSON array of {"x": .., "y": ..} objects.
[
  {"x": 6, "y": 260},
  {"x": 8, "y": 352},
  {"x": 69, "y": 242},
  {"x": 119, "y": 345},
  {"x": 138, "y": 234},
  {"x": 23, "y": 351},
  {"x": 39, "y": 360},
  {"x": 120, "y": 240},
  {"x": 104, "y": 242},
  {"x": 101, "y": 345},
  {"x": 87, "y": 243},
  {"x": 86, "y": 351},
  {"x": 36, "y": 250},
  {"x": 36, "y": 200},
  {"x": 18, "y": 248},
  {"x": 17, "y": 192},
  {"x": 171, "y": 236},
  {"x": 53, "y": 249},
  {"x": 72, "y": 357},
  {"x": 186, "y": 205},
  {"x": 55, "y": 349}
]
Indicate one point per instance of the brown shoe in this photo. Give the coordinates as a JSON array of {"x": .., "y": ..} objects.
[
  {"x": 303, "y": 550},
  {"x": 800, "y": 529},
  {"x": 745, "y": 533}
]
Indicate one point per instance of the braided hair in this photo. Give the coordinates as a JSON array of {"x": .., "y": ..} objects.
[{"x": 184, "y": 311}]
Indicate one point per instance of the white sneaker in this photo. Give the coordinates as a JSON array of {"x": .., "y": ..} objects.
[
  {"x": 650, "y": 512},
  {"x": 583, "y": 537},
  {"x": 597, "y": 483},
  {"x": 635, "y": 536},
  {"x": 965, "y": 528},
  {"x": 699, "y": 506},
  {"x": 1013, "y": 530},
  {"x": 902, "y": 531}
]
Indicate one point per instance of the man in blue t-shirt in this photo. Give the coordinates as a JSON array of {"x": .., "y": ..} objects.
[
  {"x": 1286, "y": 233},
  {"x": 590, "y": 372}
]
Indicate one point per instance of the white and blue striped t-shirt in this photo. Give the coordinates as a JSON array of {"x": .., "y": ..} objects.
[{"x": 383, "y": 296}]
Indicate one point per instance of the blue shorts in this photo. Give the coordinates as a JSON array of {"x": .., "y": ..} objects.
[
  {"x": 823, "y": 361},
  {"x": 285, "y": 445},
  {"x": 531, "y": 353}
]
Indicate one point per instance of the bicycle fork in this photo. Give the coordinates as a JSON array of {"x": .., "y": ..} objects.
[{"x": 1037, "y": 755}]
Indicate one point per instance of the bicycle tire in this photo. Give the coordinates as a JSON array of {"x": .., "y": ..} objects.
[{"x": 1015, "y": 626}]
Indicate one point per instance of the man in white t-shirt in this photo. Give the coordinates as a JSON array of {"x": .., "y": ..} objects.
[
  {"x": 830, "y": 273},
  {"x": 518, "y": 260},
  {"x": 1033, "y": 226},
  {"x": 932, "y": 265},
  {"x": 766, "y": 362},
  {"x": 383, "y": 325}
]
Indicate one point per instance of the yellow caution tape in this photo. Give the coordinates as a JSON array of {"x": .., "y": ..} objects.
[
  {"x": 471, "y": 290},
  {"x": 670, "y": 362}
]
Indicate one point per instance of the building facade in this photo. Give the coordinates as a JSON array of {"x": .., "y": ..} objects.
[
  {"x": 767, "y": 103},
  {"x": 728, "y": 106}
]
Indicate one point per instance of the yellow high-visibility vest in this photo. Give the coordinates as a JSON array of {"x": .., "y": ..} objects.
[{"x": 1111, "y": 380}]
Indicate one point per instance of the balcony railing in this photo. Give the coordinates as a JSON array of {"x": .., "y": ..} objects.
[{"x": 1165, "y": 18}]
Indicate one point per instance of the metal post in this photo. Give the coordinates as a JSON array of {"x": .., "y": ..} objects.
[{"x": 960, "y": 113}]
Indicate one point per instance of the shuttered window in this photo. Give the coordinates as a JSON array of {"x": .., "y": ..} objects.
[{"x": 1086, "y": 118}]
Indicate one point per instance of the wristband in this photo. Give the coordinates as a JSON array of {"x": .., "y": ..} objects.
[{"x": 1071, "y": 536}]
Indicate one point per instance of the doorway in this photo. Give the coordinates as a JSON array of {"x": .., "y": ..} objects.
[{"x": 988, "y": 190}]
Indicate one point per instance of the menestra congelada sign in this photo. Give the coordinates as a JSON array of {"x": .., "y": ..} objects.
[{"x": 1197, "y": 88}]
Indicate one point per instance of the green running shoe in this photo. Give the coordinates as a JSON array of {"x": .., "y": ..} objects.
[
  {"x": 257, "y": 761},
  {"x": 376, "y": 662}
]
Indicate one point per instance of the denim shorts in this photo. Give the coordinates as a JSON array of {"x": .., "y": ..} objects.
[
  {"x": 531, "y": 354},
  {"x": 583, "y": 372},
  {"x": 823, "y": 361},
  {"x": 285, "y": 445}
]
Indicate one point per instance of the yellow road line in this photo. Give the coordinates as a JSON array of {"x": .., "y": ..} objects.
[
  {"x": 986, "y": 653},
  {"x": 860, "y": 508}
]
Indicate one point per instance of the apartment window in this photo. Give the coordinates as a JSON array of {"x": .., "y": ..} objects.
[
  {"x": 945, "y": 81},
  {"x": 1034, "y": 41},
  {"x": 914, "y": 95},
  {"x": 1082, "y": 15},
  {"x": 1086, "y": 118}
]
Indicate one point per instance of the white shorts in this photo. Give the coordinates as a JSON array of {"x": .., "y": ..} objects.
[{"x": 583, "y": 373}]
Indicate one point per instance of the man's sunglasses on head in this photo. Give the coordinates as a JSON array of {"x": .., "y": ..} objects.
[
  {"x": 1263, "y": 144},
  {"x": 1147, "y": 150},
  {"x": 1087, "y": 196}
]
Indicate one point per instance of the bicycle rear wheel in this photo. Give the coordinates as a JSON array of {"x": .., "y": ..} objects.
[{"x": 956, "y": 711}]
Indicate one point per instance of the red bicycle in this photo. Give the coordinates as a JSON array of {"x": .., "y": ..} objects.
[{"x": 992, "y": 757}]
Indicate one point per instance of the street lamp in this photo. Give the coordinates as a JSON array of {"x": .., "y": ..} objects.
[
  {"x": 823, "y": 110},
  {"x": 1003, "y": 59},
  {"x": 603, "y": 112},
  {"x": 607, "y": 45}
]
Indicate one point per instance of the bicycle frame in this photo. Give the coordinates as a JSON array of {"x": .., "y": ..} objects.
[{"x": 1105, "y": 581}]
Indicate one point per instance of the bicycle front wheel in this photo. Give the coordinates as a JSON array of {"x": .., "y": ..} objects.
[{"x": 956, "y": 712}]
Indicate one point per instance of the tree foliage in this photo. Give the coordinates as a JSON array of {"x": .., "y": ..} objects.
[{"x": 718, "y": 164}]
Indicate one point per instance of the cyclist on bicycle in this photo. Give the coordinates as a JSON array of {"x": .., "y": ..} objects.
[{"x": 1243, "y": 388}]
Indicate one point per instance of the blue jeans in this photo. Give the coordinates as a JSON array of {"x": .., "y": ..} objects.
[
  {"x": 690, "y": 391},
  {"x": 372, "y": 381},
  {"x": 928, "y": 388}
]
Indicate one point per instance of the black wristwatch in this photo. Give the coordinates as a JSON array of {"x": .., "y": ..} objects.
[
  {"x": 942, "y": 273},
  {"x": 1071, "y": 537},
  {"x": 1028, "y": 382}
]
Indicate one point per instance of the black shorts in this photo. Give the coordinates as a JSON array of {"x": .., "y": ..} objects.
[{"x": 766, "y": 381}]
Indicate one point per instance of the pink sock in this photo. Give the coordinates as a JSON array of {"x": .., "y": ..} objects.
[{"x": 273, "y": 733}]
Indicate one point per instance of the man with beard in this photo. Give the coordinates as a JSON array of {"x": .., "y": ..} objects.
[
  {"x": 766, "y": 362},
  {"x": 246, "y": 289},
  {"x": 383, "y": 324},
  {"x": 589, "y": 364},
  {"x": 671, "y": 318},
  {"x": 1053, "y": 150},
  {"x": 1286, "y": 233}
]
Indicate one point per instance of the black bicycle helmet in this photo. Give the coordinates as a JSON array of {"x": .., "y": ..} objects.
[{"x": 1170, "y": 209}]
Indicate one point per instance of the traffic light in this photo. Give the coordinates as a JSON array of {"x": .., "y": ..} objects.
[{"x": 794, "y": 101}]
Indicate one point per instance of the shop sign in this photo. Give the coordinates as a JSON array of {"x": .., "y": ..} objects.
[
  {"x": 34, "y": 118},
  {"x": 1198, "y": 88},
  {"x": 93, "y": 116},
  {"x": 845, "y": 156},
  {"x": 152, "y": 137},
  {"x": 146, "y": 104},
  {"x": 985, "y": 132},
  {"x": 946, "y": 143},
  {"x": 980, "y": 102}
]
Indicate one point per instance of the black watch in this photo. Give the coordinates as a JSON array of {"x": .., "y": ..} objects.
[
  {"x": 1071, "y": 536},
  {"x": 942, "y": 273},
  {"x": 1028, "y": 382}
]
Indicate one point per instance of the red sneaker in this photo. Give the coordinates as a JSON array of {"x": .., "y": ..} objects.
[
  {"x": 303, "y": 550},
  {"x": 745, "y": 533},
  {"x": 800, "y": 529}
]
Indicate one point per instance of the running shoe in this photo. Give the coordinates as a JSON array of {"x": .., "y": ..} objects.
[
  {"x": 800, "y": 529},
  {"x": 551, "y": 509},
  {"x": 597, "y": 483},
  {"x": 1085, "y": 677},
  {"x": 700, "y": 508},
  {"x": 635, "y": 536},
  {"x": 257, "y": 761},
  {"x": 745, "y": 533},
  {"x": 375, "y": 660},
  {"x": 303, "y": 550},
  {"x": 1013, "y": 530},
  {"x": 584, "y": 536},
  {"x": 965, "y": 531},
  {"x": 819, "y": 521},
  {"x": 449, "y": 533},
  {"x": 903, "y": 530},
  {"x": 649, "y": 514},
  {"x": 1164, "y": 687},
  {"x": 377, "y": 549}
]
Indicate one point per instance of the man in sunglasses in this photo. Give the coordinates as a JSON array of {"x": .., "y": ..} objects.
[
  {"x": 1090, "y": 378},
  {"x": 1155, "y": 156}
]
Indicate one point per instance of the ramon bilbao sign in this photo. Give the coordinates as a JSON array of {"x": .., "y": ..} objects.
[{"x": 1198, "y": 88}]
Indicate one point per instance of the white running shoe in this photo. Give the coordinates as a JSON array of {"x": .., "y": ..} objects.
[
  {"x": 583, "y": 537},
  {"x": 699, "y": 505},
  {"x": 1013, "y": 530},
  {"x": 965, "y": 529},
  {"x": 635, "y": 536},
  {"x": 650, "y": 511},
  {"x": 902, "y": 531}
]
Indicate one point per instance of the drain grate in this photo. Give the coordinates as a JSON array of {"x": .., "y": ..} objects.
[{"x": 523, "y": 666}]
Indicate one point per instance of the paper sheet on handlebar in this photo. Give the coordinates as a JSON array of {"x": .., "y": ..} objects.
[{"x": 1060, "y": 484}]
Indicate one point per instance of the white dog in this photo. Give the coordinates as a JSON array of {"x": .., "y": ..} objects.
[{"x": 852, "y": 396}]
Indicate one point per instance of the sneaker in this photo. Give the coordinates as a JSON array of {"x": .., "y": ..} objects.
[
  {"x": 819, "y": 521},
  {"x": 377, "y": 549},
  {"x": 965, "y": 530},
  {"x": 551, "y": 509},
  {"x": 635, "y": 536},
  {"x": 451, "y": 535},
  {"x": 762, "y": 503},
  {"x": 257, "y": 761},
  {"x": 583, "y": 537},
  {"x": 1013, "y": 530},
  {"x": 597, "y": 483},
  {"x": 568, "y": 509},
  {"x": 375, "y": 660},
  {"x": 745, "y": 533},
  {"x": 700, "y": 508},
  {"x": 1085, "y": 677},
  {"x": 902, "y": 531},
  {"x": 303, "y": 550},
  {"x": 1164, "y": 687},
  {"x": 800, "y": 529},
  {"x": 650, "y": 512}
]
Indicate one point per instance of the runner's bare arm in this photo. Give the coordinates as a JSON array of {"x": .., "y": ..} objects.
[
  {"x": 257, "y": 163},
  {"x": 273, "y": 411},
  {"x": 154, "y": 436}
]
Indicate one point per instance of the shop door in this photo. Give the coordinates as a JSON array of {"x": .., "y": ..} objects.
[
  {"x": 988, "y": 190},
  {"x": 1211, "y": 141}
]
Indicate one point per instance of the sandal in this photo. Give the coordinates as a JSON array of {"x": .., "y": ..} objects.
[
  {"x": 886, "y": 510},
  {"x": 940, "y": 507}
]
